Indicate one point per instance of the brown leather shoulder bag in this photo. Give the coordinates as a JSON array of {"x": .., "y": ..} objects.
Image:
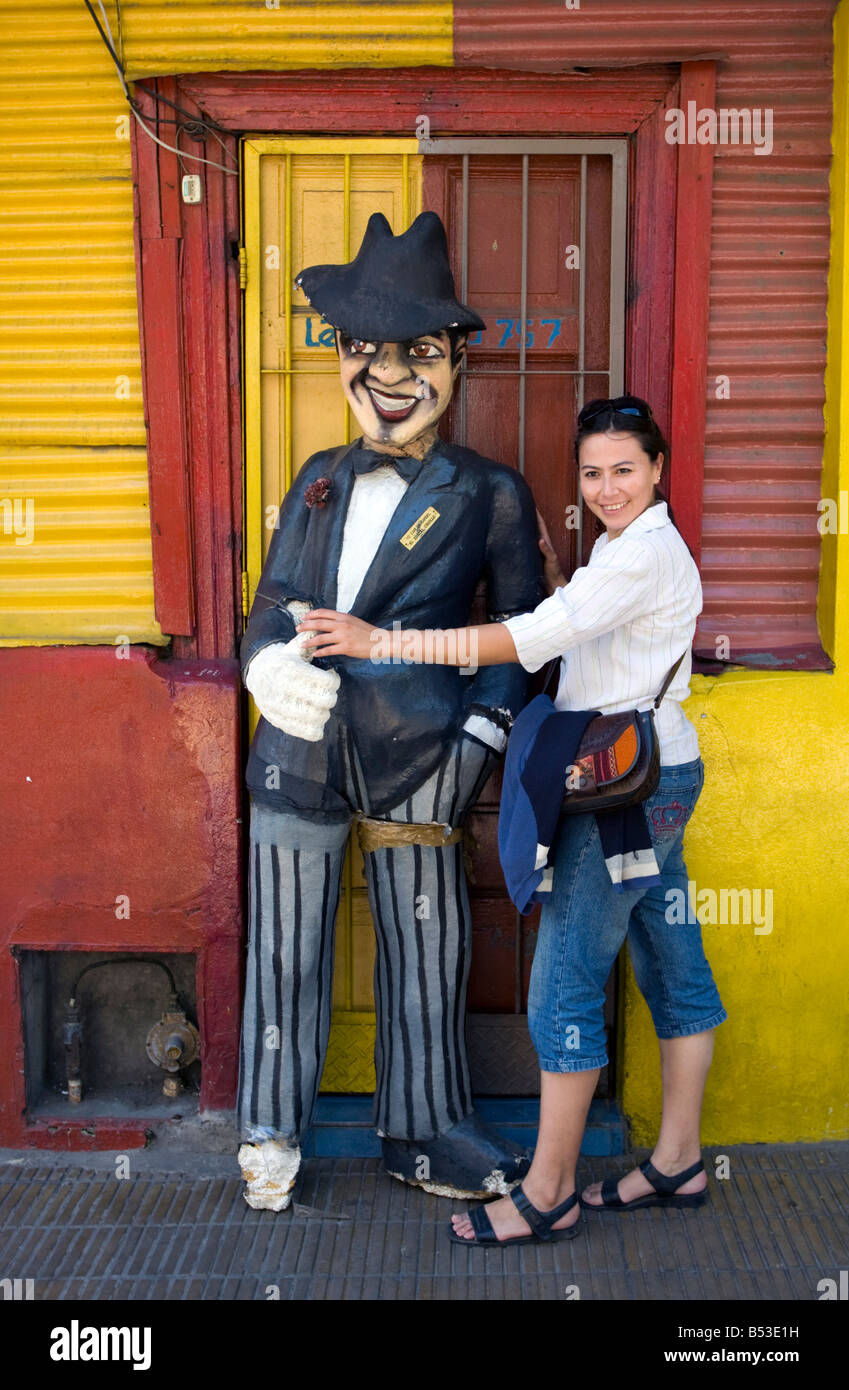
[{"x": 618, "y": 758}]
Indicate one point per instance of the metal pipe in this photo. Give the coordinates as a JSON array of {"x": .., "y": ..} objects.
[
  {"x": 288, "y": 444},
  {"x": 464, "y": 284},
  {"x": 122, "y": 960},
  {"x": 484, "y": 371},
  {"x": 346, "y": 240},
  {"x": 72, "y": 1039},
  {"x": 347, "y": 923},
  {"x": 618, "y": 249},
  {"x": 523, "y": 312},
  {"x": 72, "y": 1030},
  {"x": 582, "y": 313}
]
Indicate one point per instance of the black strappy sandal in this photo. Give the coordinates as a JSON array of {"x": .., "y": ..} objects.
[
  {"x": 540, "y": 1222},
  {"x": 664, "y": 1194}
]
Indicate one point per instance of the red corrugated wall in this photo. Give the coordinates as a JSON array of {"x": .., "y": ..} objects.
[{"x": 769, "y": 266}]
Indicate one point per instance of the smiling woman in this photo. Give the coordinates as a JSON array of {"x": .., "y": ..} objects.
[{"x": 620, "y": 452}]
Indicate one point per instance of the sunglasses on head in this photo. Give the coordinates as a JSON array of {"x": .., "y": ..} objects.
[{"x": 608, "y": 407}]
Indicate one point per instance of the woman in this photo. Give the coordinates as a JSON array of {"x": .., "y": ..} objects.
[{"x": 619, "y": 625}]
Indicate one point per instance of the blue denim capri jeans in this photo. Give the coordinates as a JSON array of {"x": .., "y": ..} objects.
[{"x": 584, "y": 923}]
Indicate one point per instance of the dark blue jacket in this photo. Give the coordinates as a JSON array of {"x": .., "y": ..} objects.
[
  {"x": 541, "y": 749},
  {"x": 401, "y": 716}
]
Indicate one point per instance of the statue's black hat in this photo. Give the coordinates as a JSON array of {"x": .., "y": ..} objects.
[{"x": 395, "y": 288}]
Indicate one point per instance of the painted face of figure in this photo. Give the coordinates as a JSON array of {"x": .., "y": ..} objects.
[
  {"x": 617, "y": 478},
  {"x": 398, "y": 391}
]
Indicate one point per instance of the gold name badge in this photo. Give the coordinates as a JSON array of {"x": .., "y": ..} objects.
[{"x": 418, "y": 528}]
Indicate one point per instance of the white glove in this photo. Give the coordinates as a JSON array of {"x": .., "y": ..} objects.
[
  {"x": 290, "y": 693},
  {"x": 487, "y": 731}
]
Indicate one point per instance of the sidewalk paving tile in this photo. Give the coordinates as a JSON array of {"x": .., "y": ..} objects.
[{"x": 778, "y": 1226}]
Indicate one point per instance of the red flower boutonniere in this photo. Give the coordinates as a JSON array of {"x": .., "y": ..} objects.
[{"x": 317, "y": 493}]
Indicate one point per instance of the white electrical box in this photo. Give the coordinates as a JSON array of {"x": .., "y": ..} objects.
[{"x": 191, "y": 188}]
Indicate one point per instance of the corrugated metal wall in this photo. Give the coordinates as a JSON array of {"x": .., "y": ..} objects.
[
  {"x": 72, "y": 438},
  {"x": 770, "y": 239},
  {"x": 196, "y": 36}
]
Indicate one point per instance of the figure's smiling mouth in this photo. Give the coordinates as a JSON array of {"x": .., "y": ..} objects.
[{"x": 392, "y": 407}]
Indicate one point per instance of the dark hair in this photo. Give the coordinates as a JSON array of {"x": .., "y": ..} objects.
[
  {"x": 458, "y": 337},
  {"x": 599, "y": 416}
]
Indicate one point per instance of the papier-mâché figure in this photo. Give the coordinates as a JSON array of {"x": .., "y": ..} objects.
[{"x": 397, "y": 527}]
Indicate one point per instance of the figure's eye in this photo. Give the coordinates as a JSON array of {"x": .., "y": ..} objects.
[
  {"x": 421, "y": 350},
  {"x": 358, "y": 345}
]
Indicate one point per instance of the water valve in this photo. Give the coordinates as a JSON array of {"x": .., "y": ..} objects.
[{"x": 173, "y": 1043}]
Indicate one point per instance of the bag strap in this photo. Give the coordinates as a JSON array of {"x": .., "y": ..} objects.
[
  {"x": 668, "y": 681},
  {"x": 553, "y": 668}
]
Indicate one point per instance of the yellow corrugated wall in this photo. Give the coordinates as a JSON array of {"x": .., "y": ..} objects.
[
  {"x": 195, "y": 36},
  {"x": 75, "y": 553}
]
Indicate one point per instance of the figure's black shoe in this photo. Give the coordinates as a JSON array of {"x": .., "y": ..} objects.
[{"x": 471, "y": 1159}]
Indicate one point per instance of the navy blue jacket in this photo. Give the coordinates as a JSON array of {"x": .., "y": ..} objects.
[
  {"x": 541, "y": 750},
  {"x": 401, "y": 716}
]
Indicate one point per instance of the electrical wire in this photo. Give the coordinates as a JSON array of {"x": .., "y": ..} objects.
[
  {"x": 191, "y": 127},
  {"x": 182, "y": 154}
]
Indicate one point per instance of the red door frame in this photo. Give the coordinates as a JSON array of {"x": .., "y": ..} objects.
[{"x": 187, "y": 272}]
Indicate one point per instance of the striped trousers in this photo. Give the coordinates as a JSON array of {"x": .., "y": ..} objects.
[{"x": 420, "y": 907}]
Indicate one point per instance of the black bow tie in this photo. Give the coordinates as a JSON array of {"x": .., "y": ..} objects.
[{"x": 365, "y": 460}]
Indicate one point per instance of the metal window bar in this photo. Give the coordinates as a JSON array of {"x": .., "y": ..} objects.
[
  {"x": 582, "y": 307},
  {"x": 288, "y": 461},
  {"x": 523, "y": 313},
  {"x": 464, "y": 283}
]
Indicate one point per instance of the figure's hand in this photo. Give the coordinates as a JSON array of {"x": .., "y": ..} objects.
[
  {"x": 339, "y": 634},
  {"x": 288, "y": 692},
  {"x": 487, "y": 731},
  {"x": 554, "y": 576}
]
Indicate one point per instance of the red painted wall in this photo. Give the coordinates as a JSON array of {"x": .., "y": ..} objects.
[{"x": 121, "y": 776}]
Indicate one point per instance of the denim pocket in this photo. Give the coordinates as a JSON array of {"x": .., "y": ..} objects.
[{"x": 671, "y": 805}]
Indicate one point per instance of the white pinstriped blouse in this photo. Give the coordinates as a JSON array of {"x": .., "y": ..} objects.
[{"x": 619, "y": 624}]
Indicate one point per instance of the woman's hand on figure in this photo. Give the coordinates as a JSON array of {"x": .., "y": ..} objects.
[
  {"x": 338, "y": 634},
  {"x": 554, "y": 576}
]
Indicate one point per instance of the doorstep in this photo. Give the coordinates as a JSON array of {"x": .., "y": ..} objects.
[{"x": 344, "y": 1128}]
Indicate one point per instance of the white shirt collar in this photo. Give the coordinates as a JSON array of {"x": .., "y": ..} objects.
[{"x": 653, "y": 517}]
